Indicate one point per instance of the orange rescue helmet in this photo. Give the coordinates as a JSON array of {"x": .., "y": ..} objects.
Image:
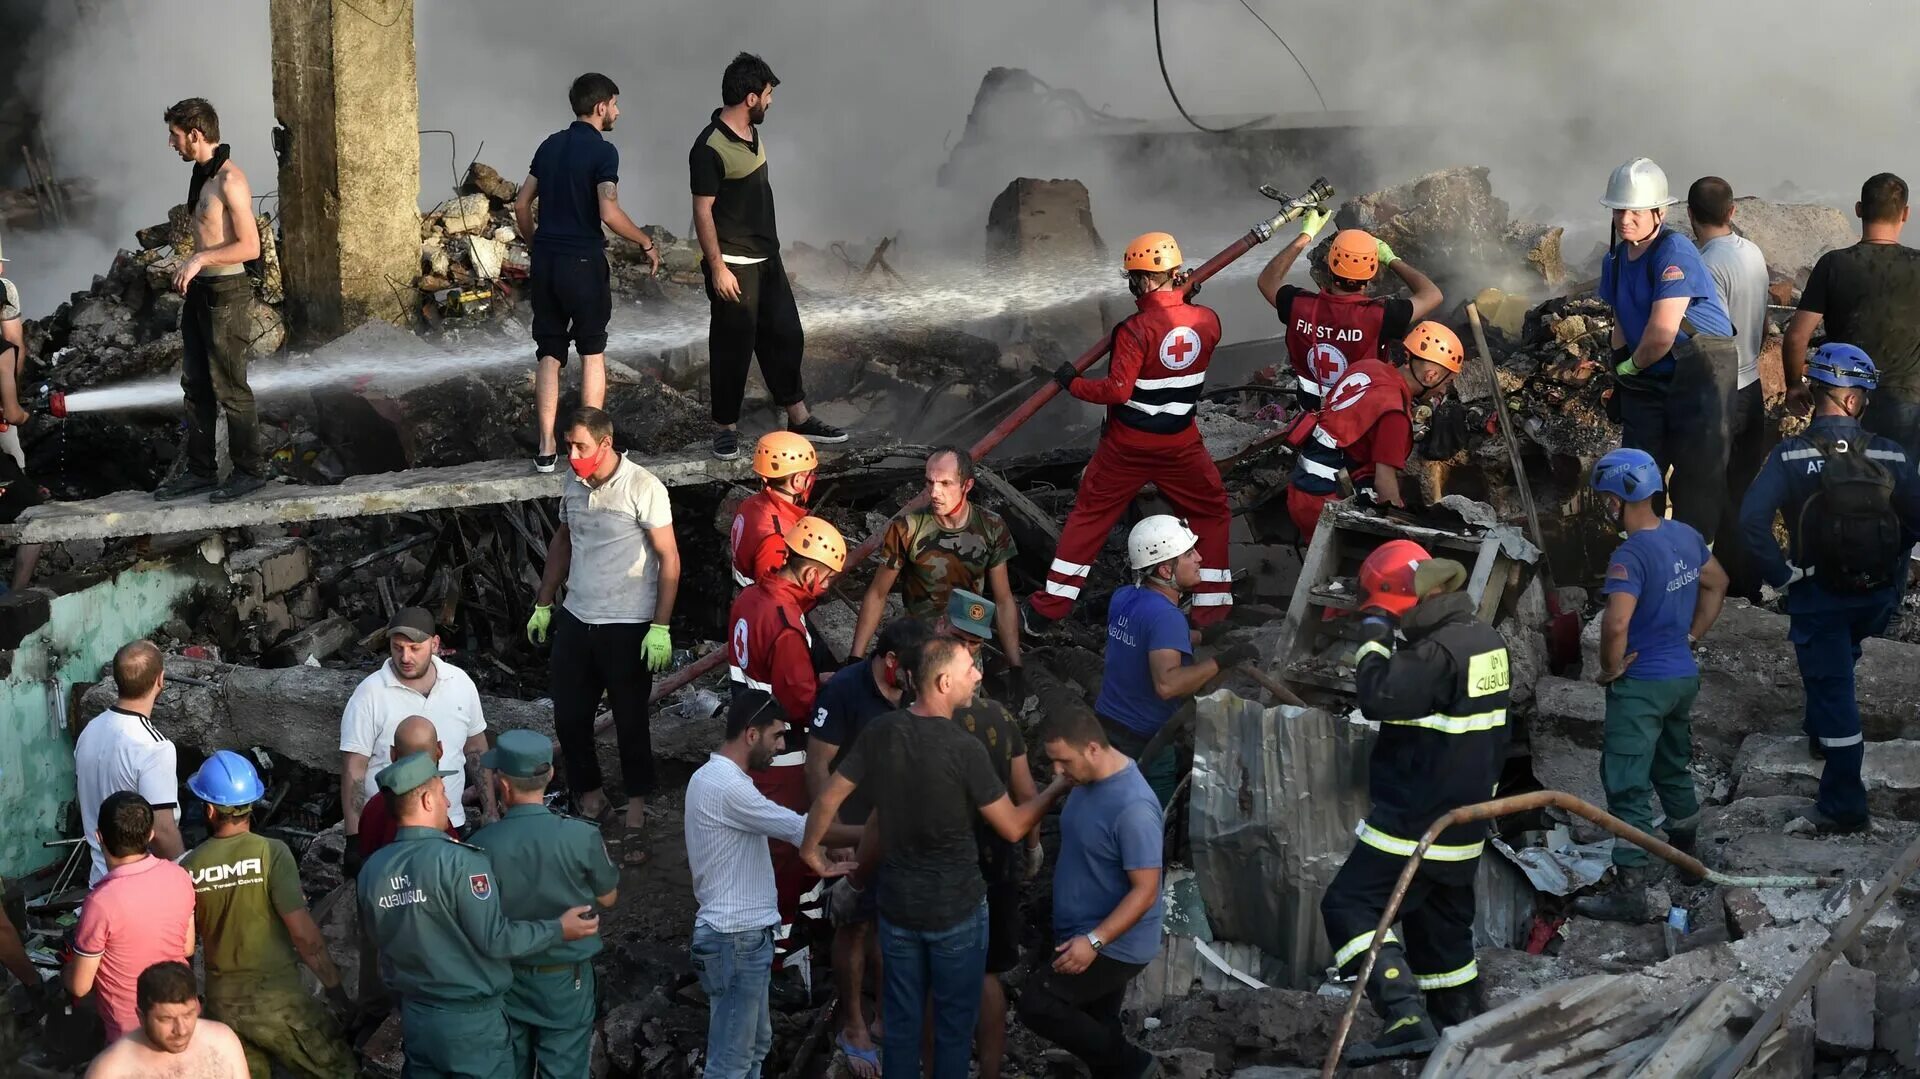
[
  {"x": 1437, "y": 344},
  {"x": 1354, "y": 256},
  {"x": 811, "y": 537},
  {"x": 1386, "y": 577},
  {"x": 783, "y": 453},
  {"x": 1155, "y": 251}
]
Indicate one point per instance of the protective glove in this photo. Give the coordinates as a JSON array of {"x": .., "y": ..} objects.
[
  {"x": 658, "y": 648},
  {"x": 351, "y": 860},
  {"x": 1768, "y": 593},
  {"x": 1237, "y": 653},
  {"x": 843, "y": 901},
  {"x": 1036, "y": 861},
  {"x": 1623, "y": 362},
  {"x": 538, "y": 624},
  {"x": 1313, "y": 221},
  {"x": 1385, "y": 253},
  {"x": 1065, "y": 374}
]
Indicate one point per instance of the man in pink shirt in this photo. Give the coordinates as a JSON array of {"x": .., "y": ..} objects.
[{"x": 141, "y": 913}]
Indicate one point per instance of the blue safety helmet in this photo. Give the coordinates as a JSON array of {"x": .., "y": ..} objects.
[
  {"x": 227, "y": 779},
  {"x": 1842, "y": 366},
  {"x": 1630, "y": 474}
]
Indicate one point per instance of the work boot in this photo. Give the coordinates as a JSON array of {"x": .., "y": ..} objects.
[
  {"x": 1453, "y": 1006},
  {"x": 1815, "y": 751},
  {"x": 238, "y": 485},
  {"x": 1396, "y": 996},
  {"x": 185, "y": 485},
  {"x": 1626, "y": 900},
  {"x": 1829, "y": 825},
  {"x": 1685, "y": 838}
]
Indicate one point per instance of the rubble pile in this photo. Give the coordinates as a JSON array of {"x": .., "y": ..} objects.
[{"x": 1451, "y": 225}]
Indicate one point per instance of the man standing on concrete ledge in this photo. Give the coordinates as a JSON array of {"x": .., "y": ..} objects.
[
  {"x": 216, "y": 326},
  {"x": 575, "y": 176},
  {"x": 616, "y": 552},
  {"x": 753, "y": 308}
]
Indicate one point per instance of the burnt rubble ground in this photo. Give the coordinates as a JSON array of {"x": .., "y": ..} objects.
[{"x": 316, "y": 596}]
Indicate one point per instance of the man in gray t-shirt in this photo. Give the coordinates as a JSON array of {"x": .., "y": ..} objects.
[
  {"x": 616, "y": 553},
  {"x": 1739, "y": 273}
]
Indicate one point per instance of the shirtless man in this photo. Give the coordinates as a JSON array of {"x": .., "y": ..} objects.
[
  {"x": 173, "y": 1042},
  {"x": 215, "y": 327}
]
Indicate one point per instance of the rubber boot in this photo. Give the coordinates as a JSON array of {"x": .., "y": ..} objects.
[
  {"x": 1626, "y": 901},
  {"x": 1396, "y": 996},
  {"x": 1453, "y": 1006}
]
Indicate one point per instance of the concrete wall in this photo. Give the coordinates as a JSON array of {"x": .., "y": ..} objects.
[
  {"x": 345, "y": 90},
  {"x": 36, "y": 743}
]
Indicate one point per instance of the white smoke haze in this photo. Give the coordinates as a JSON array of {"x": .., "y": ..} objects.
[{"x": 1780, "y": 98}]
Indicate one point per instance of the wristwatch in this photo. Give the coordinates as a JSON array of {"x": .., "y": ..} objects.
[{"x": 1094, "y": 939}]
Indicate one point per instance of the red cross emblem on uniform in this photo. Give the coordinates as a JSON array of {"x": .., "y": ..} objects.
[
  {"x": 1179, "y": 348},
  {"x": 740, "y": 643},
  {"x": 1327, "y": 363},
  {"x": 1350, "y": 390}
]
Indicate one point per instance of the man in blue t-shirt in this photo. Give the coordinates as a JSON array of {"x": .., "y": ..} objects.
[
  {"x": 1675, "y": 360},
  {"x": 1107, "y": 904},
  {"x": 1150, "y": 671},
  {"x": 1663, "y": 591},
  {"x": 575, "y": 176}
]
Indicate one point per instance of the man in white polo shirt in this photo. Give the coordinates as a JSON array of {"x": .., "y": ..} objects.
[
  {"x": 414, "y": 681},
  {"x": 121, "y": 750},
  {"x": 616, "y": 552}
]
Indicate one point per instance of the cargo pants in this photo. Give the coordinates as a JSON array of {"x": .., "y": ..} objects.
[
  {"x": 216, "y": 327},
  {"x": 278, "y": 1022},
  {"x": 1646, "y": 747}
]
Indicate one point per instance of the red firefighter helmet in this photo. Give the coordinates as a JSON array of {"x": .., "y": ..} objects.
[{"x": 1386, "y": 577}]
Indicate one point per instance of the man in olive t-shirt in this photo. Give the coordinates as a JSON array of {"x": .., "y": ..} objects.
[{"x": 252, "y": 921}]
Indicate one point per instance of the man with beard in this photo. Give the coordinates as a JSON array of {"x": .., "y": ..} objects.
[
  {"x": 172, "y": 1039},
  {"x": 753, "y": 307}
]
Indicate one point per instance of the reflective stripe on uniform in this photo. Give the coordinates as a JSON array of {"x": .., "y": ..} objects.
[
  {"x": 1315, "y": 468},
  {"x": 1310, "y": 386},
  {"x": 1483, "y": 721},
  {"x": 1070, "y": 569},
  {"x": 1887, "y": 455},
  {"x": 1799, "y": 455},
  {"x": 1174, "y": 408},
  {"x": 1321, "y": 436},
  {"x": 1174, "y": 383},
  {"x": 1064, "y": 591},
  {"x": 1213, "y": 599},
  {"x": 741, "y": 579},
  {"x": 1216, "y": 575},
  {"x": 1371, "y": 648},
  {"x": 789, "y": 760},
  {"x": 1360, "y": 944},
  {"x": 1450, "y": 979},
  {"x": 1393, "y": 844},
  {"x": 1842, "y": 743},
  {"x": 739, "y": 675}
]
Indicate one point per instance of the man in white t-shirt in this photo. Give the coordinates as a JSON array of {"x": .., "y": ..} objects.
[
  {"x": 616, "y": 552},
  {"x": 121, "y": 750},
  {"x": 1739, "y": 271},
  {"x": 414, "y": 681}
]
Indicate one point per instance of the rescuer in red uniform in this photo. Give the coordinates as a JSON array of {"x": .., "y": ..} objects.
[
  {"x": 786, "y": 462},
  {"x": 1157, "y": 368},
  {"x": 1365, "y": 428}
]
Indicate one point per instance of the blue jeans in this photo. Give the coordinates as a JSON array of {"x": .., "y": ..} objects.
[
  {"x": 1827, "y": 644},
  {"x": 946, "y": 964},
  {"x": 735, "y": 970}
]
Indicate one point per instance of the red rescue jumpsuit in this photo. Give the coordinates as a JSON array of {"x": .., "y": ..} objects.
[
  {"x": 758, "y": 531},
  {"x": 1154, "y": 380},
  {"x": 1365, "y": 423}
]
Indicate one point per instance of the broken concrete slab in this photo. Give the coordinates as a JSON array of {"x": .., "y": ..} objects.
[
  {"x": 1843, "y": 1009},
  {"x": 1451, "y": 225},
  {"x": 1046, "y": 219},
  {"x": 1779, "y": 765},
  {"x": 1746, "y": 913},
  {"x": 314, "y": 643},
  {"x": 1792, "y": 235}
]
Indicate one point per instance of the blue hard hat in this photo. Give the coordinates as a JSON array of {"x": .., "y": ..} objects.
[
  {"x": 1844, "y": 366},
  {"x": 227, "y": 779},
  {"x": 1631, "y": 474}
]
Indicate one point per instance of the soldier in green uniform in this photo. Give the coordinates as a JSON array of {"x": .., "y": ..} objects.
[
  {"x": 254, "y": 927},
  {"x": 550, "y": 863},
  {"x": 445, "y": 943}
]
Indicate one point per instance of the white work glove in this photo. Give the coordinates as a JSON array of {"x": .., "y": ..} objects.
[
  {"x": 1036, "y": 861},
  {"x": 1768, "y": 593}
]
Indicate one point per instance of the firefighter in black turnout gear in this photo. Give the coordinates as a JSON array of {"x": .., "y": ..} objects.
[{"x": 1441, "y": 702}]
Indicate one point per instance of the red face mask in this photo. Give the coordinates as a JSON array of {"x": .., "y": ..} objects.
[{"x": 583, "y": 467}]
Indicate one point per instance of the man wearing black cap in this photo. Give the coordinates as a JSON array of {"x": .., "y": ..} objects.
[
  {"x": 445, "y": 940},
  {"x": 551, "y": 863},
  {"x": 413, "y": 681}
]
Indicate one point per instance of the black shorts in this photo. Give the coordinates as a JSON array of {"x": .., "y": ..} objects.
[
  {"x": 572, "y": 301},
  {"x": 1003, "y": 927}
]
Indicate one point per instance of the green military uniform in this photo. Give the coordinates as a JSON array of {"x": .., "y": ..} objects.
[
  {"x": 551, "y": 863},
  {"x": 445, "y": 943},
  {"x": 244, "y": 885}
]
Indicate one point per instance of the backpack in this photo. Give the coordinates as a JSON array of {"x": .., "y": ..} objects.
[{"x": 1849, "y": 534}]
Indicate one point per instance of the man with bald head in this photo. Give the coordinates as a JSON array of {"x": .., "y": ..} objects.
[
  {"x": 121, "y": 750},
  {"x": 415, "y": 734}
]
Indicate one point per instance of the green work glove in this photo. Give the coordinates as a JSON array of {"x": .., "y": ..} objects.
[
  {"x": 658, "y": 648},
  {"x": 537, "y": 625},
  {"x": 1313, "y": 221},
  {"x": 1626, "y": 368},
  {"x": 1385, "y": 252}
]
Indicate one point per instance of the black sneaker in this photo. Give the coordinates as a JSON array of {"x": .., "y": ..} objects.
[
  {"x": 815, "y": 430},
  {"x": 1826, "y": 825},
  {"x": 544, "y": 462},
  {"x": 726, "y": 444},
  {"x": 185, "y": 485},
  {"x": 238, "y": 485},
  {"x": 1032, "y": 622}
]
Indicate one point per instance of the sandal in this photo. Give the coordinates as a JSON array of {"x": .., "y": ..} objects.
[{"x": 864, "y": 1063}]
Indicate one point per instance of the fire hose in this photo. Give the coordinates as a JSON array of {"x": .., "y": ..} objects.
[
  {"x": 1520, "y": 803},
  {"x": 1291, "y": 207},
  {"x": 46, "y": 398}
]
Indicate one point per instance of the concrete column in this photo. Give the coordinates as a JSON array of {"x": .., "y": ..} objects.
[{"x": 347, "y": 99}]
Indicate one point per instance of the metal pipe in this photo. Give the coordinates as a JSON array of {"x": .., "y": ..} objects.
[
  {"x": 1319, "y": 192},
  {"x": 1520, "y": 803}
]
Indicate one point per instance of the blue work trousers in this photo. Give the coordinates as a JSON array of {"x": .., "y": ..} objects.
[{"x": 1827, "y": 644}]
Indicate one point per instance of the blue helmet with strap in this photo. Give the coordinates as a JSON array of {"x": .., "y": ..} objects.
[
  {"x": 227, "y": 779},
  {"x": 1630, "y": 474},
  {"x": 1843, "y": 367}
]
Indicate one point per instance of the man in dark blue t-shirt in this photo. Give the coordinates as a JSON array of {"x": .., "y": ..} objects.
[
  {"x": 1664, "y": 591},
  {"x": 1675, "y": 360},
  {"x": 575, "y": 176}
]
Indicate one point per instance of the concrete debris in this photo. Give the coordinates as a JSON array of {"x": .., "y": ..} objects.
[
  {"x": 458, "y": 216},
  {"x": 1049, "y": 219},
  {"x": 1770, "y": 764},
  {"x": 1843, "y": 1003},
  {"x": 1792, "y": 235},
  {"x": 1450, "y": 224}
]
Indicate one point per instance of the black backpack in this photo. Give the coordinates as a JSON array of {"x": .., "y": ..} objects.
[{"x": 1849, "y": 535}]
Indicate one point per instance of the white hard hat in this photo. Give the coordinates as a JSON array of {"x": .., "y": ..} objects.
[
  {"x": 1158, "y": 538},
  {"x": 1638, "y": 185}
]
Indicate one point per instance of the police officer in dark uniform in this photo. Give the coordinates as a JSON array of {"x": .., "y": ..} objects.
[
  {"x": 1441, "y": 703},
  {"x": 552, "y": 863},
  {"x": 445, "y": 943}
]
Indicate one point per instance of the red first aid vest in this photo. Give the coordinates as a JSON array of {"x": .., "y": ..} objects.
[
  {"x": 1326, "y": 334},
  {"x": 1176, "y": 341},
  {"x": 762, "y": 518},
  {"x": 761, "y": 614},
  {"x": 1369, "y": 390}
]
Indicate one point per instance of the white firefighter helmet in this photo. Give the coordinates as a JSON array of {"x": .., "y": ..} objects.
[
  {"x": 1158, "y": 538},
  {"x": 1638, "y": 185}
]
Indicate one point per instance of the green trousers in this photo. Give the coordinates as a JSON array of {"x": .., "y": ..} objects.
[
  {"x": 1649, "y": 740},
  {"x": 455, "y": 1041},
  {"x": 278, "y": 1022},
  {"x": 551, "y": 1013}
]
